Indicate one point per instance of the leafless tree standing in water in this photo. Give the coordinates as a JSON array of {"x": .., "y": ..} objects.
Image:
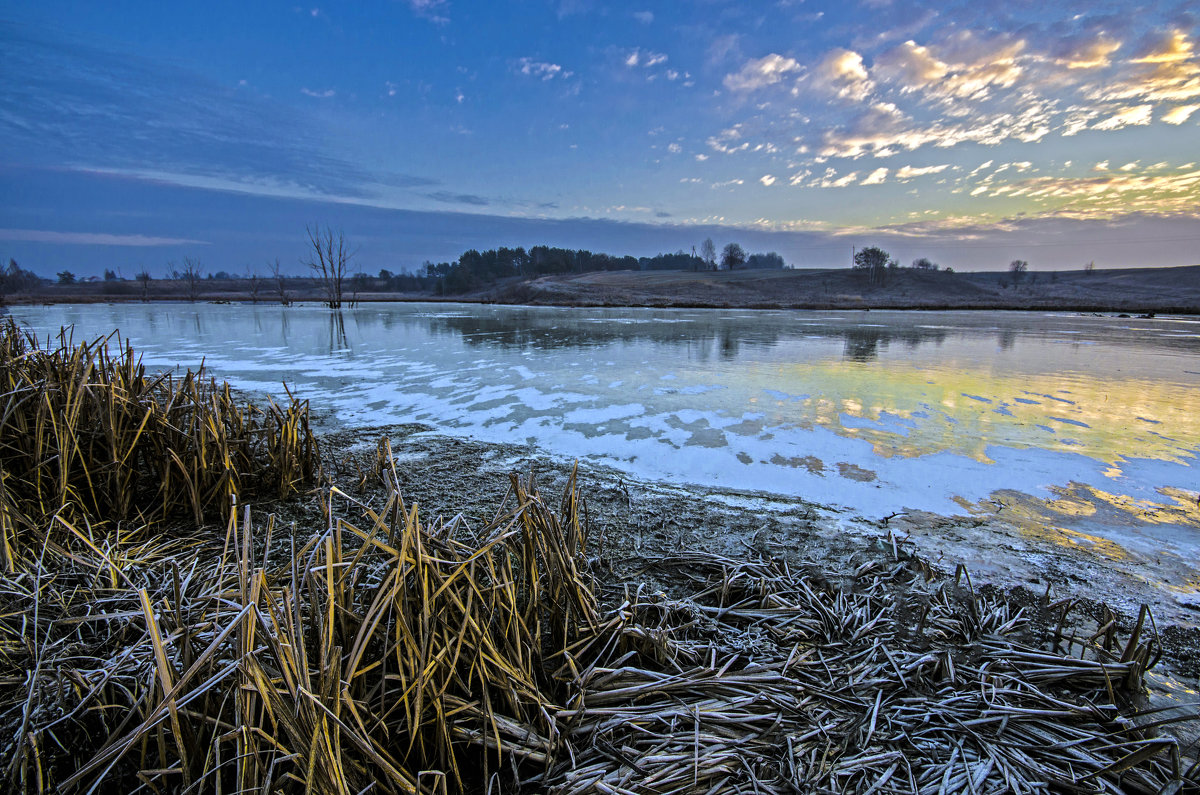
[
  {"x": 329, "y": 259},
  {"x": 144, "y": 278},
  {"x": 191, "y": 277},
  {"x": 255, "y": 284},
  {"x": 280, "y": 283}
]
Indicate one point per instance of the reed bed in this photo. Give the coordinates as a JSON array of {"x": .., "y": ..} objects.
[
  {"x": 88, "y": 436},
  {"x": 372, "y": 651}
]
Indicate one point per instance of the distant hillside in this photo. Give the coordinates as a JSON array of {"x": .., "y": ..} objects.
[
  {"x": 1128, "y": 290},
  {"x": 1136, "y": 290}
]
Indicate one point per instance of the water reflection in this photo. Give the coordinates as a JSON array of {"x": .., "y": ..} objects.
[
  {"x": 338, "y": 341},
  {"x": 536, "y": 329}
]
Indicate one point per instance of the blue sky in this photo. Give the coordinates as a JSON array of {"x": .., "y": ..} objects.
[{"x": 132, "y": 133}]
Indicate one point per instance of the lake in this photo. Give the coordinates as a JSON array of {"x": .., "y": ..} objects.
[{"x": 1084, "y": 423}]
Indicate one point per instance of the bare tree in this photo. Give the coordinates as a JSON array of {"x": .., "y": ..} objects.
[
  {"x": 1018, "y": 268},
  {"x": 254, "y": 283},
  {"x": 708, "y": 253},
  {"x": 280, "y": 283},
  {"x": 190, "y": 275},
  {"x": 329, "y": 259},
  {"x": 144, "y": 278}
]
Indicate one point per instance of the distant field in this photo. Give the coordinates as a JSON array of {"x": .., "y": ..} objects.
[{"x": 1133, "y": 290}]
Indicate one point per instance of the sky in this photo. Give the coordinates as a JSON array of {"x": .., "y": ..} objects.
[{"x": 133, "y": 133}]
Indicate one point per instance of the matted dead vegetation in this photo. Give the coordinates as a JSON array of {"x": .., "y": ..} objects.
[{"x": 373, "y": 651}]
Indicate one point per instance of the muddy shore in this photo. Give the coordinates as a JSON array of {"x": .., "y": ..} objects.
[{"x": 635, "y": 523}]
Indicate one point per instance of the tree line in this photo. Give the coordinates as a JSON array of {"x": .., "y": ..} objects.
[{"x": 476, "y": 270}]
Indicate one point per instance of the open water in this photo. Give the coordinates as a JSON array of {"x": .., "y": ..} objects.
[{"x": 1084, "y": 421}]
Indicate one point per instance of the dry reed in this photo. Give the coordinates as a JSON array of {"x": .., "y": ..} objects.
[{"x": 88, "y": 436}]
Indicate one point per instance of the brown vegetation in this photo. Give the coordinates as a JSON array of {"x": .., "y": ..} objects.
[{"x": 363, "y": 649}]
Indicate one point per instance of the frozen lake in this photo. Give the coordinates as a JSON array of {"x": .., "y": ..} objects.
[{"x": 1086, "y": 423}]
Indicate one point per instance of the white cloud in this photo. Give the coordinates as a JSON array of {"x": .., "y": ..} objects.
[
  {"x": 831, "y": 180},
  {"x": 842, "y": 73},
  {"x": 645, "y": 59},
  {"x": 905, "y": 173},
  {"x": 727, "y": 141},
  {"x": 430, "y": 9},
  {"x": 674, "y": 148},
  {"x": 876, "y": 177},
  {"x": 761, "y": 72},
  {"x": 542, "y": 70},
  {"x": 645, "y": 17},
  {"x": 767, "y": 180},
  {"x": 1136, "y": 116},
  {"x": 1179, "y": 114},
  {"x": 911, "y": 66},
  {"x": 326, "y": 94},
  {"x": 94, "y": 238}
]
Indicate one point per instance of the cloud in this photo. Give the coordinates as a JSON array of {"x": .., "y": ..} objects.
[
  {"x": 326, "y": 94},
  {"x": 1092, "y": 53},
  {"x": 876, "y": 177},
  {"x": 447, "y": 197},
  {"x": 645, "y": 17},
  {"x": 674, "y": 148},
  {"x": 1110, "y": 195},
  {"x": 977, "y": 67},
  {"x": 1137, "y": 116},
  {"x": 842, "y": 73},
  {"x": 94, "y": 238},
  {"x": 429, "y": 9},
  {"x": 645, "y": 59},
  {"x": 905, "y": 173},
  {"x": 910, "y": 66},
  {"x": 1166, "y": 70},
  {"x": 729, "y": 141},
  {"x": 762, "y": 72},
  {"x": 1179, "y": 114},
  {"x": 767, "y": 180},
  {"x": 542, "y": 70},
  {"x": 830, "y": 179}
]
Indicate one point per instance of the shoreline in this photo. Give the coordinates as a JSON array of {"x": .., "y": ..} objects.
[
  {"x": 639, "y": 519},
  {"x": 1128, "y": 290},
  {"x": 1141, "y": 310}
]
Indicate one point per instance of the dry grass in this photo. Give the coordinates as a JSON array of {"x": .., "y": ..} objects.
[
  {"x": 86, "y": 435},
  {"x": 376, "y": 652}
]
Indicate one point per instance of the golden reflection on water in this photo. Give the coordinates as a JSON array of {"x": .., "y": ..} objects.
[
  {"x": 907, "y": 410},
  {"x": 1048, "y": 520}
]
